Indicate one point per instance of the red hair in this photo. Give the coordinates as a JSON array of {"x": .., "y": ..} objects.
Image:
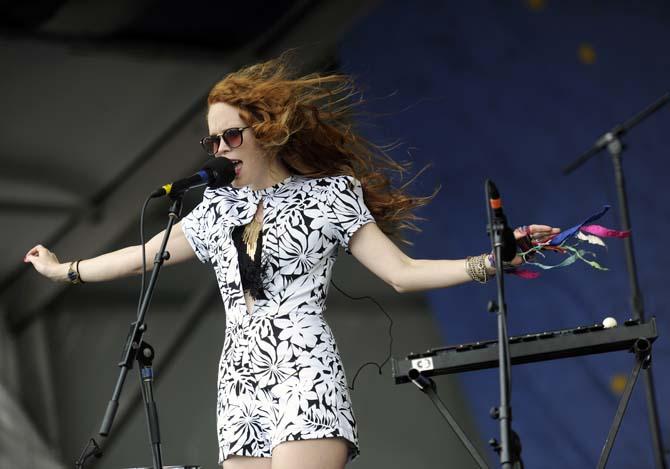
[{"x": 307, "y": 122}]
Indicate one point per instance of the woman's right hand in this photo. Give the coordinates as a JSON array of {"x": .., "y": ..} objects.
[{"x": 47, "y": 264}]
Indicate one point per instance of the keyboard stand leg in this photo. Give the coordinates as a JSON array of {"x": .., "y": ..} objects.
[
  {"x": 428, "y": 386},
  {"x": 642, "y": 349}
]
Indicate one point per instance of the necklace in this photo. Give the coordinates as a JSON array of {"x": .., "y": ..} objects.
[{"x": 250, "y": 235}]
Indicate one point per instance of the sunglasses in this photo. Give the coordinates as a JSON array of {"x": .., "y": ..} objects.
[{"x": 231, "y": 137}]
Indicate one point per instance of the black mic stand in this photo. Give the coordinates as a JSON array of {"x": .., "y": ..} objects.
[
  {"x": 91, "y": 449},
  {"x": 136, "y": 349},
  {"x": 509, "y": 447},
  {"x": 611, "y": 141}
]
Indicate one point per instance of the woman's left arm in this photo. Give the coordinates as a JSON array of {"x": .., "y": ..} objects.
[{"x": 382, "y": 257}]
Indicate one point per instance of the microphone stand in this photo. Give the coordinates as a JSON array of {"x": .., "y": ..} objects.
[
  {"x": 611, "y": 141},
  {"x": 509, "y": 447},
  {"x": 137, "y": 349},
  {"x": 616, "y": 132},
  {"x": 91, "y": 449}
]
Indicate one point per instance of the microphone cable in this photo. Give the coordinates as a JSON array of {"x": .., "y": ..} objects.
[
  {"x": 356, "y": 298},
  {"x": 390, "y": 320}
]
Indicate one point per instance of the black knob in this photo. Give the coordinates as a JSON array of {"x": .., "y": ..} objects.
[
  {"x": 495, "y": 445},
  {"x": 494, "y": 413}
]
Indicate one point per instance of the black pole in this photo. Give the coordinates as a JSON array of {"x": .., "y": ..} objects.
[
  {"x": 497, "y": 228},
  {"x": 615, "y": 147},
  {"x": 616, "y": 132},
  {"x": 145, "y": 357},
  {"x": 134, "y": 344}
]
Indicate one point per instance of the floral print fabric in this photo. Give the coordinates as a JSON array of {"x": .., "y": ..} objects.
[{"x": 280, "y": 374}]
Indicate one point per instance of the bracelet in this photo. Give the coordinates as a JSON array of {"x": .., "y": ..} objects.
[
  {"x": 475, "y": 266},
  {"x": 78, "y": 274},
  {"x": 72, "y": 274}
]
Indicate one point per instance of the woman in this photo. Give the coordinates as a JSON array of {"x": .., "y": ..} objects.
[{"x": 305, "y": 183}]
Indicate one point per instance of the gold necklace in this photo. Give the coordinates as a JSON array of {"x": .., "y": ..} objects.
[{"x": 250, "y": 235}]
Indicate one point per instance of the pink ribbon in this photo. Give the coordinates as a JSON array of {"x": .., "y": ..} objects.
[
  {"x": 604, "y": 232},
  {"x": 523, "y": 273}
]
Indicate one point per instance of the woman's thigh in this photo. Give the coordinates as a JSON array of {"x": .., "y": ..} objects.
[
  {"x": 324, "y": 453},
  {"x": 245, "y": 462}
]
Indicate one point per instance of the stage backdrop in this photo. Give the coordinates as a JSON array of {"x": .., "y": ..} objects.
[{"x": 515, "y": 90}]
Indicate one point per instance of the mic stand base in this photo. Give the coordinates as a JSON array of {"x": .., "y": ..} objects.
[{"x": 91, "y": 449}]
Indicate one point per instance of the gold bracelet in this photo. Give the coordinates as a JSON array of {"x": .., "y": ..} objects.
[{"x": 475, "y": 266}]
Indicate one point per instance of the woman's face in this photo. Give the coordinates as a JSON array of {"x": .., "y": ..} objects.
[{"x": 253, "y": 167}]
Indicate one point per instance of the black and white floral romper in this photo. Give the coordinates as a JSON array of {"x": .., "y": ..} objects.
[{"x": 280, "y": 374}]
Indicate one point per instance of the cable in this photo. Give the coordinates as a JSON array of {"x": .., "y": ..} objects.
[
  {"x": 388, "y": 357},
  {"x": 360, "y": 368},
  {"x": 144, "y": 258}
]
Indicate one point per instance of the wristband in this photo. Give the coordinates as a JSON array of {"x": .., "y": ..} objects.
[
  {"x": 76, "y": 267},
  {"x": 72, "y": 274}
]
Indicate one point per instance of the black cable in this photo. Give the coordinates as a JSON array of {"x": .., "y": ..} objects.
[
  {"x": 360, "y": 368},
  {"x": 144, "y": 259},
  {"x": 388, "y": 357}
]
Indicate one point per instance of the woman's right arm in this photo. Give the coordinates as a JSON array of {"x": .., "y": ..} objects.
[{"x": 113, "y": 265}]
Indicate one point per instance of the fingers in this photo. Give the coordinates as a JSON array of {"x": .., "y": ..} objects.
[
  {"x": 39, "y": 254},
  {"x": 543, "y": 229},
  {"x": 537, "y": 233},
  {"x": 521, "y": 231},
  {"x": 542, "y": 233},
  {"x": 34, "y": 252}
]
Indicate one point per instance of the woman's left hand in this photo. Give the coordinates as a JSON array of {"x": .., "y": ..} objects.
[{"x": 534, "y": 235}]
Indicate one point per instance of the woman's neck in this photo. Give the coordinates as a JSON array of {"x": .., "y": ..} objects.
[{"x": 275, "y": 174}]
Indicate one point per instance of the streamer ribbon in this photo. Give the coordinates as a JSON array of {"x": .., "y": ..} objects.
[{"x": 567, "y": 242}]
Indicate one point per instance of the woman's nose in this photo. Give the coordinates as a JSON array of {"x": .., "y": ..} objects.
[{"x": 223, "y": 148}]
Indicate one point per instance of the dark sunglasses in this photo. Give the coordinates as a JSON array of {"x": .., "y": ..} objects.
[{"x": 231, "y": 137}]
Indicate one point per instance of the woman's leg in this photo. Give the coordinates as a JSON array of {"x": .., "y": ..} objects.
[
  {"x": 246, "y": 462},
  {"x": 324, "y": 453}
]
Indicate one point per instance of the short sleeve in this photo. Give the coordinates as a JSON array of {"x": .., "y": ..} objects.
[
  {"x": 195, "y": 226},
  {"x": 348, "y": 209}
]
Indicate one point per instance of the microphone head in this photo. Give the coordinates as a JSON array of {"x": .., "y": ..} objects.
[
  {"x": 492, "y": 190},
  {"x": 221, "y": 171}
]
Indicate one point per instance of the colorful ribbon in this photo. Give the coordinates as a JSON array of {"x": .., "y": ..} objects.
[{"x": 567, "y": 242}]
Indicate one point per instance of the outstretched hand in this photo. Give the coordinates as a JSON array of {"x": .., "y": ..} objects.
[
  {"x": 45, "y": 262},
  {"x": 533, "y": 235}
]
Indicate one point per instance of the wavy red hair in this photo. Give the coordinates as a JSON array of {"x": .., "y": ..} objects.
[{"x": 307, "y": 122}]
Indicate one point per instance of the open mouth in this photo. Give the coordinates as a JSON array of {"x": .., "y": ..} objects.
[{"x": 238, "y": 166}]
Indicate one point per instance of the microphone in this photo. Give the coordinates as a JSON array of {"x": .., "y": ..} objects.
[
  {"x": 497, "y": 215},
  {"x": 217, "y": 172}
]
